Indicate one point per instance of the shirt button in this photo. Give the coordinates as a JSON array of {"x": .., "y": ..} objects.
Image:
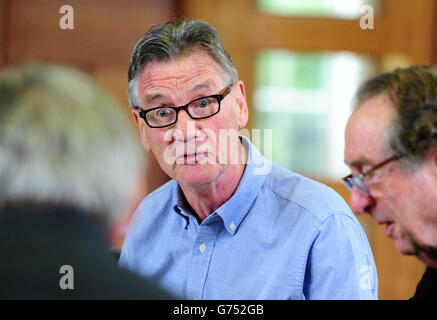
[
  {"x": 232, "y": 226},
  {"x": 202, "y": 247}
]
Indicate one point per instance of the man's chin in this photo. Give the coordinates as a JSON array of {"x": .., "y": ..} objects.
[
  {"x": 196, "y": 175},
  {"x": 408, "y": 247},
  {"x": 430, "y": 259},
  {"x": 405, "y": 247}
]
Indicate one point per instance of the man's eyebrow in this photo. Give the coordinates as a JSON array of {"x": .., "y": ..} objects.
[
  {"x": 359, "y": 162},
  {"x": 208, "y": 84},
  {"x": 152, "y": 98}
]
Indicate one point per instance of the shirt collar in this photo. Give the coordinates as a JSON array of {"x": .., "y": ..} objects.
[
  {"x": 235, "y": 209},
  {"x": 181, "y": 206}
]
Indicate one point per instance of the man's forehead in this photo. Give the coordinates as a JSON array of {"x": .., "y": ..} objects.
[
  {"x": 185, "y": 68},
  {"x": 366, "y": 132},
  {"x": 197, "y": 85},
  {"x": 190, "y": 75},
  {"x": 359, "y": 162},
  {"x": 377, "y": 105}
]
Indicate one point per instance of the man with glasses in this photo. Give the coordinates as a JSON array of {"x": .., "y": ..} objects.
[
  {"x": 391, "y": 147},
  {"x": 221, "y": 228}
]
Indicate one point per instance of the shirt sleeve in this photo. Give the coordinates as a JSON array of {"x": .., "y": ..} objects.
[
  {"x": 340, "y": 263},
  {"x": 125, "y": 260}
]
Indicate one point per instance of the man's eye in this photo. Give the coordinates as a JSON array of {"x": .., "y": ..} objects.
[
  {"x": 365, "y": 169},
  {"x": 370, "y": 175},
  {"x": 163, "y": 113},
  {"x": 202, "y": 103}
]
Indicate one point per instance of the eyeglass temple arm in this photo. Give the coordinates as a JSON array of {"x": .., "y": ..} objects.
[{"x": 395, "y": 157}]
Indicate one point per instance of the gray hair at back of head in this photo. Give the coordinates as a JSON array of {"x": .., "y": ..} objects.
[
  {"x": 171, "y": 40},
  {"x": 64, "y": 141}
]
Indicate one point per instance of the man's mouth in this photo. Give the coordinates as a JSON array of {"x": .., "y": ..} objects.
[{"x": 192, "y": 158}]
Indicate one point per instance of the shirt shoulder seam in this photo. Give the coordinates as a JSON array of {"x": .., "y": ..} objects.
[{"x": 318, "y": 219}]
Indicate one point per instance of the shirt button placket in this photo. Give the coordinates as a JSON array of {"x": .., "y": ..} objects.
[
  {"x": 202, "y": 247},
  {"x": 232, "y": 226}
]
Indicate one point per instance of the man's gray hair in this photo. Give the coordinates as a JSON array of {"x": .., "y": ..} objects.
[
  {"x": 64, "y": 141},
  {"x": 171, "y": 40},
  {"x": 413, "y": 91}
]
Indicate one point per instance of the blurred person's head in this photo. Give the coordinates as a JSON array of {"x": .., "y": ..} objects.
[
  {"x": 64, "y": 142},
  {"x": 185, "y": 90},
  {"x": 391, "y": 147}
]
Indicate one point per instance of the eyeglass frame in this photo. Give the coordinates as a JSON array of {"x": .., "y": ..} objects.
[
  {"x": 220, "y": 96},
  {"x": 350, "y": 180}
]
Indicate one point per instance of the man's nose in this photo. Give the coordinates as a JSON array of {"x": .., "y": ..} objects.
[
  {"x": 361, "y": 202},
  {"x": 185, "y": 127}
]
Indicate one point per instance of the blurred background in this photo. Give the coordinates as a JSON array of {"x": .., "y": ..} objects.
[{"x": 301, "y": 61}]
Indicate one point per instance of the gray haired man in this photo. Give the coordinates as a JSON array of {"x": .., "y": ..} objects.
[
  {"x": 221, "y": 229},
  {"x": 68, "y": 160},
  {"x": 391, "y": 147}
]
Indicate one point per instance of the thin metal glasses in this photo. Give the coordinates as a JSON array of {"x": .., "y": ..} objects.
[{"x": 358, "y": 180}]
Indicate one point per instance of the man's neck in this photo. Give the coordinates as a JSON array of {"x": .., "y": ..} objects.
[{"x": 206, "y": 198}]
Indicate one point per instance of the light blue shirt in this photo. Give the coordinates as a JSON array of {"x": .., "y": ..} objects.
[{"x": 280, "y": 236}]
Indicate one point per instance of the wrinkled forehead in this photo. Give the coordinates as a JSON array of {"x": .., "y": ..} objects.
[{"x": 197, "y": 69}]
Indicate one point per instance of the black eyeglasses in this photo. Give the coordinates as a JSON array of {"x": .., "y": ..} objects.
[
  {"x": 352, "y": 181},
  {"x": 199, "y": 108}
]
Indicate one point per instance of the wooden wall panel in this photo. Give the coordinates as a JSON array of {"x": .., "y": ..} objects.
[
  {"x": 104, "y": 31},
  {"x": 434, "y": 47},
  {"x": 409, "y": 29},
  {"x": 3, "y": 31}
]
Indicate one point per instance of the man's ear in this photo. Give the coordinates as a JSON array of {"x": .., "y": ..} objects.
[
  {"x": 136, "y": 116},
  {"x": 433, "y": 156},
  {"x": 240, "y": 97},
  {"x": 141, "y": 125}
]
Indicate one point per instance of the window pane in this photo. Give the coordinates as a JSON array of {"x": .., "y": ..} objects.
[
  {"x": 305, "y": 98},
  {"x": 345, "y": 9}
]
